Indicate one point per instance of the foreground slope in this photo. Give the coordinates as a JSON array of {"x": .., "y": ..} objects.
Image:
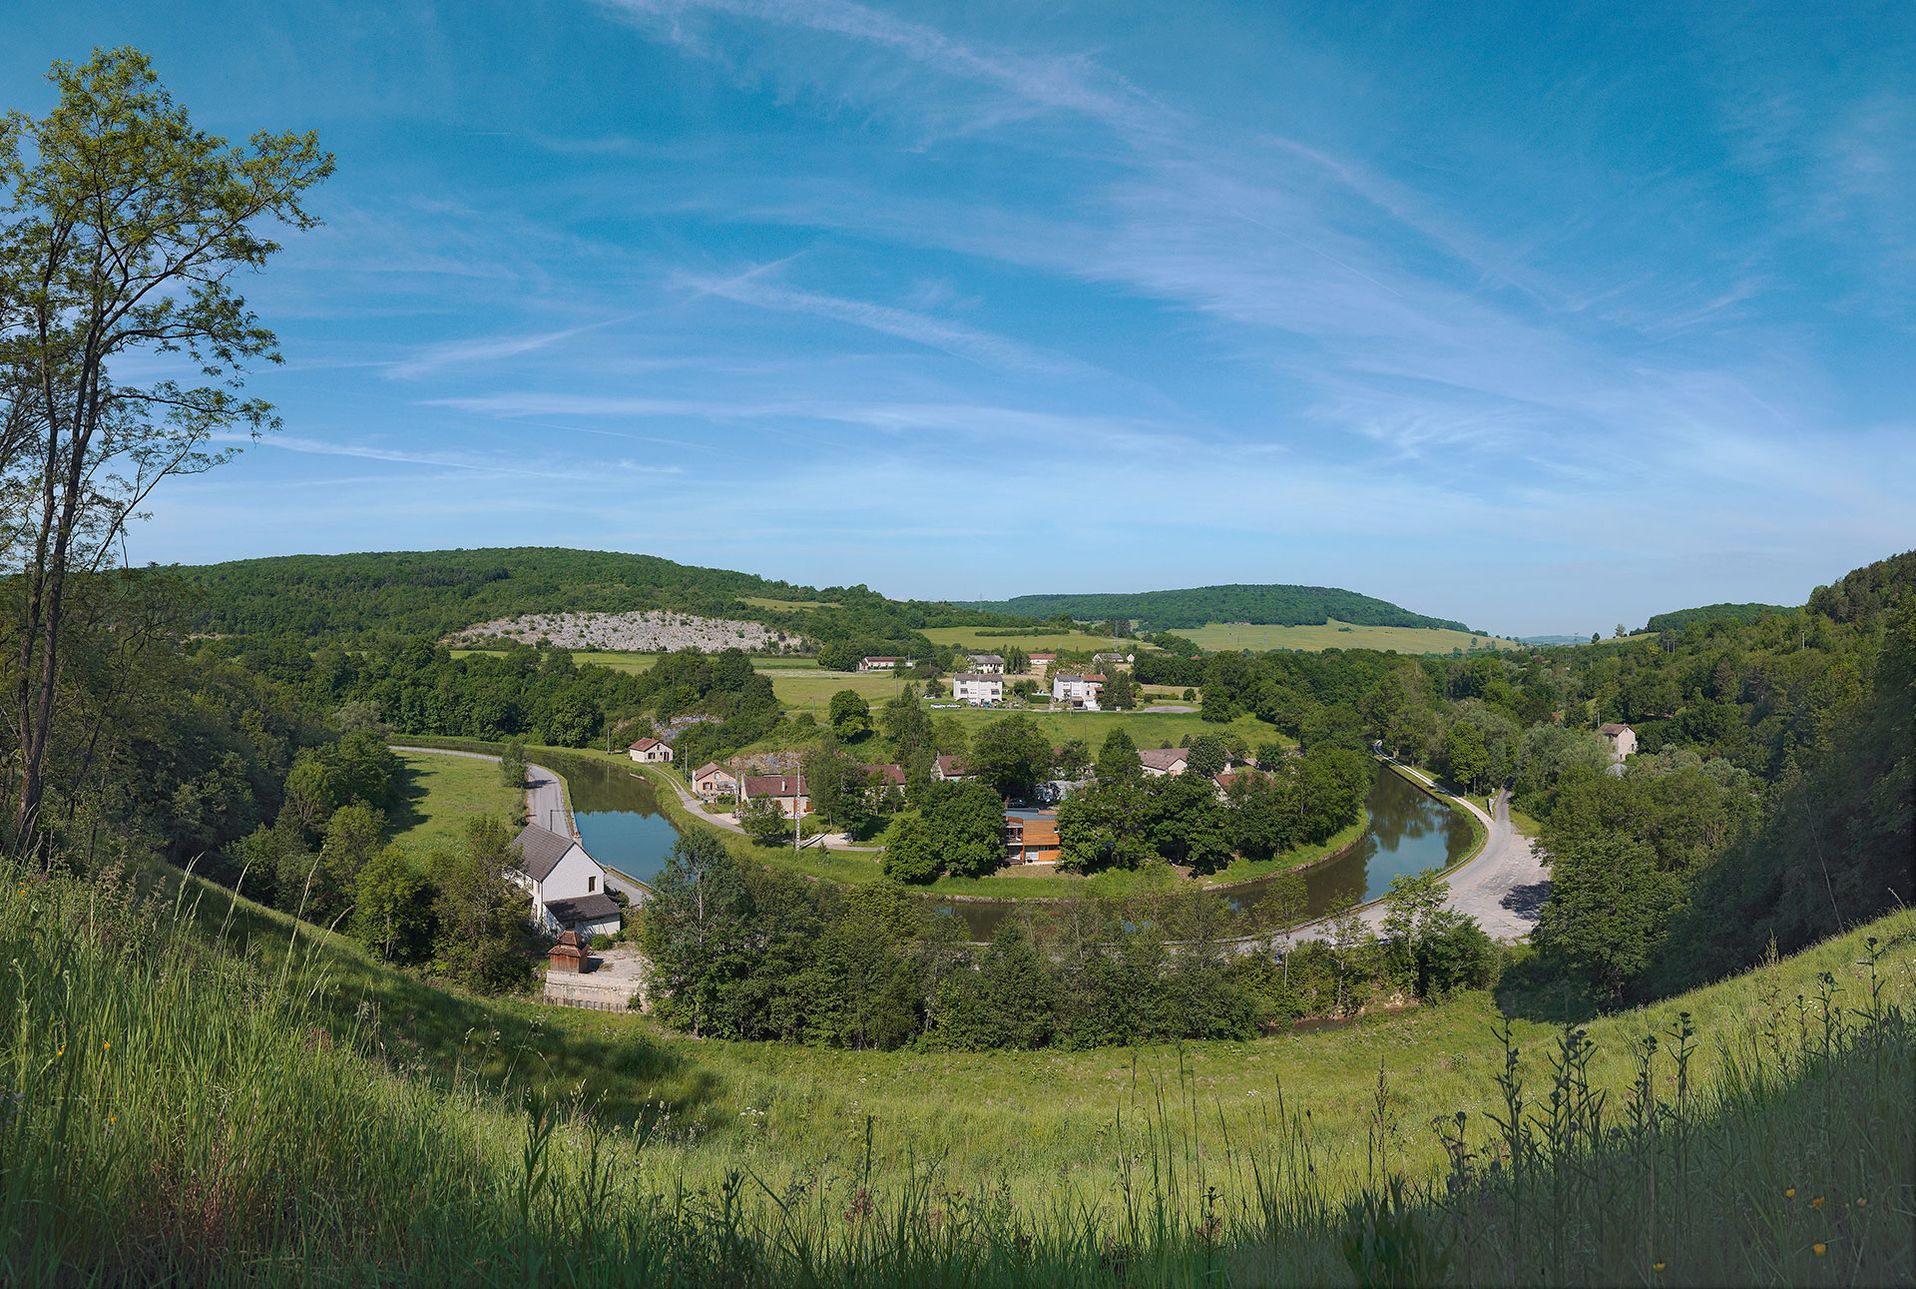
[{"x": 196, "y": 1094}]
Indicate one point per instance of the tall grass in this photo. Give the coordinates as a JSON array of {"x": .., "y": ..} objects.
[{"x": 174, "y": 1111}]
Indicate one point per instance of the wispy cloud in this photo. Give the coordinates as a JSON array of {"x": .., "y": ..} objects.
[{"x": 484, "y": 349}]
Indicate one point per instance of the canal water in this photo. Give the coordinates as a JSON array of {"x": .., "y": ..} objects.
[
  {"x": 1410, "y": 832},
  {"x": 617, "y": 814}
]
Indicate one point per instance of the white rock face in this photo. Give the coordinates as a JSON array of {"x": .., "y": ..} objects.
[{"x": 653, "y": 631}]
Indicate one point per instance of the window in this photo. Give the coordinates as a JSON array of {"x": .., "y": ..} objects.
[{"x": 591, "y": 884}]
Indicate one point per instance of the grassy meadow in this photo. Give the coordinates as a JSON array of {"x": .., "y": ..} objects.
[
  {"x": 1218, "y": 637},
  {"x": 1039, "y": 639},
  {"x": 439, "y": 794},
  {"x": 202, "y": 1091}
]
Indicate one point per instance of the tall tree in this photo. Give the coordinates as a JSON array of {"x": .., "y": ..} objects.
[{"x": 121, "y": 230}]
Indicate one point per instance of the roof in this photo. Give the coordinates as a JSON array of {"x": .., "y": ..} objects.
[
  {"x": 948, "y": 764},
  {"x": 978, "y": 676},
  {"x": 774, "y": 785},
  {"x": 1068, "y": 677},
  {"x": 1045, "y": 657},
  {"x": 987, "y": 657},
  {"x": 1613, "y": 728},
  {"x": 583, "y": 908},
  {"x": 889, "y": 773},
  {"x": 643, "y": 744},
  {"x": 540, "y": 850},
  {"x": 1163, "y": 758},
  {"x": 880, "y": 657},
  {"x": 712, "y": 767}
]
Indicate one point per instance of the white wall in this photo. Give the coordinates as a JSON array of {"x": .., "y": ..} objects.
[{"x": 569, "y": 880}]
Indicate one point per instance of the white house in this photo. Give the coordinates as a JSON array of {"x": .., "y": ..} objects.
[
  {"x": 991, "y": 664},
  {"x": 1040, "y": 662},
  {"x": 1075, "y": 691},
  {"x": 1160, "y": 761},
  {"x": 881, "y": 662},
  {"x": 1623, "y": 741},
  {"x": 977, "y": 688},
  {"x": 650, "y": 751},
  {"x": 566, "y": 884},
  {"x": 713, "y": 780},
  {"x": 1113, "y": 659}
]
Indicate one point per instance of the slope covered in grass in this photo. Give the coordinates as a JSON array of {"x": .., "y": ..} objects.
[{"x": 192, "y": 1091}]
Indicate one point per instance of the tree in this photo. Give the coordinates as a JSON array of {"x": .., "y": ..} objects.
[
  {"x": 1466, "y": 758},
  {"x": 1188, "y": 823},
  {"x": 836, "y": 784},
  {"x": 850, "y": 715},
  {"x": 124, "y": 228},
  {"x": 1118, "y": 758},
  {"x": 911, "y": 855},
  {"x": 393, "y": 908},
  {"x": 1016, "y": 660},
  {"x": 966, "y": 822},
  {"x": 1206, "y": 757},
  {"x": 512, "y": 765},
  {"x": 764, "y": 822},
  {"x": 1072, "y": 760},
  {"x": 1120, "y": 691},
  {"x": 485, "y": 939},
  {"x": 698, "y": 936},
  {"x": 1104, "y": 826},
  {"x": 1608, "y": 907},
  {"x": 1011, "y": 755}
]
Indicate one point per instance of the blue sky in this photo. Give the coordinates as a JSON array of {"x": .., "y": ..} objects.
[{"x": 1545, "y": 317}]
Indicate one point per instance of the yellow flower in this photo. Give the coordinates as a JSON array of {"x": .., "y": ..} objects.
[
  {"x": 1819, "y": 1248},
  {"x": 1790, "y": 1193},
  {"x": 106, "y": 1047},
  {"x": 1817, "y": 1202},
  {"x": 1657, "y": 1267}
]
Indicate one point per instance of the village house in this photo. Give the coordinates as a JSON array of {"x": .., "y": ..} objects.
[
  {"x": 978, "y": 688},
  {"x": 787, "y": 791},
  {"x": 566, "y": 884},
  {"x": 1623, "y": 743},
  {"x": 712, "y": 781},
  {"x": 1040, "y": 662},
  {"x": 1031, "y": 837},
  {"x": 1108, "y": 658},
  {"x": 1080, "y": 693},
  {"x": 881, "y": 662},
  {"x": 1161, "y": 761},
  {"x": 650, "y": 751},
  {"x": 947, "y": 768},
  {"x": 990, "y": 664}
]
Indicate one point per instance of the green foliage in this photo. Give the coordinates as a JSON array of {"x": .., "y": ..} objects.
[
  {"x": 910, "y": 854},
  {"x": 1011, "y": 756},
  {"x": 1279, "y": 604},
  {"x": 512, "y": 765},
  {"x": 1118, "y": 758},
  {"x": 483, "y": 939},
  {"x": 764, "y": 822},
  {"x": 1679, "y": 619},
  {"x": 850, "y": 715},
  {"x": 966, "y": 825},
  {"x": 393, "y": 913},
  {"x": 1207, "y": 756}
]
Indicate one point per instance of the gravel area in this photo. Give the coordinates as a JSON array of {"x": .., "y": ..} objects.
[{"x": 653, "y": 631}]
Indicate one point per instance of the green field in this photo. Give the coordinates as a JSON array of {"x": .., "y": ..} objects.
[
  {"x": 1147, "y": 729},
  {"x": 1043, "y": 641},
  {"x": 1053, "y": 1129},
  {"x": 1219, "y": 637},
  {"x": 438, "y": 794}
]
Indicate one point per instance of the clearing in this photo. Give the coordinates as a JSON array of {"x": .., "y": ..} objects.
[{"x": 438, "y": 794}]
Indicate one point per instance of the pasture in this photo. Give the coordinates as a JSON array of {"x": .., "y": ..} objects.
[
  {"x": 438, "y": 794},
  {"x": 1039, "y": 638},
  {"x": 1220, "y": 637}
]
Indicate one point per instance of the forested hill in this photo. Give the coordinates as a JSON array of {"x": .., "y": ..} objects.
[
  {"x": 331, "y": 597},
  {"x": 1681, "y": 618},
  {"x": 1264, "y": 605}
]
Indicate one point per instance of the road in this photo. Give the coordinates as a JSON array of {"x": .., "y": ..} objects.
[
  {"x": 1502, "y": 886},
  {"x": 545, "y": 796}
]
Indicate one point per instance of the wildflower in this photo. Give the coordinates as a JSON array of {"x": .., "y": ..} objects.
[
  {"x": 1657, "y": 1267},
  {"x": 106, "y": 1047},
  {"x": 1819, "y": 1248},
  {"x": 1861, "y": 1202},
  {"x": 1790, "y": 1193},
  {"x": 1817, "y": 1202}
]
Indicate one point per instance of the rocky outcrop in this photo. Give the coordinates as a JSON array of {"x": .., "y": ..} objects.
[{"x": 651, "y": 631}]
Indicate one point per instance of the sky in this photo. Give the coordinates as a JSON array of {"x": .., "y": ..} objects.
[{"x": 1544, "y": 317}]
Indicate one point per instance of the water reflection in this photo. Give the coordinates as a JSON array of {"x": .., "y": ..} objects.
[
  {"x": 618, "y": 815},
  {"x": 1409, "y": 832}
]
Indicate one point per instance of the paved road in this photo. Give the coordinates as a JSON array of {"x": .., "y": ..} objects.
[
  {"x": 1502, "y": 885},
  {"x": 545, "y": 797}
]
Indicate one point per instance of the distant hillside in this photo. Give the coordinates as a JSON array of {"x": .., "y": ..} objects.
[
  {"x": 434, "y": 593},
  {"x": 1681, "y": 618},
  {"x": 1259, "y": 605}
]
